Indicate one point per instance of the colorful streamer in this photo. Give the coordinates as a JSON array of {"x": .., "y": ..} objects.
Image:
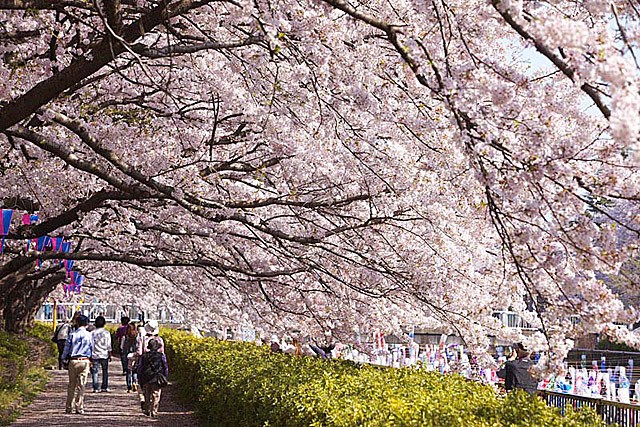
[
  {"x": 40, "y": 243},
  {"x": 68, "y": 263},
  {"x": 5, "y": 222},
  {"x": 56, "y": 243}
]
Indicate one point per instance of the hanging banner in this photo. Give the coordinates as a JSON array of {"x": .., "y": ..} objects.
[
  {"x": 56, "y": 246},
  {"x": 76, "y": 282},
  {"x": 5, "y": 222},
  {"x": 379, "y": 340},
  {"x": 68, "y": 264},
  {"x": 40, "y": 243},
  {"x": 66, "y": 248},
  {"x": 56, "y": 243}
]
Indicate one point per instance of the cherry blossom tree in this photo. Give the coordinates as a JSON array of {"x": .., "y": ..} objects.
[{"x": 329, "y": 164}]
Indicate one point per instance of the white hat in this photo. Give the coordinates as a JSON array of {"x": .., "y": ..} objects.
[{"x": 152, "y": 327}]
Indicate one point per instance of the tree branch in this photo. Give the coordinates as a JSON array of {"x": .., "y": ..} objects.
[
  {"x": 555, "y": 59},
  {"x": 83, "y": 67},
  {"x": 173, "y": 50}
]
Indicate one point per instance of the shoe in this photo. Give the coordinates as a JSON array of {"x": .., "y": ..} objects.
[
  {"x": 67, "y": 411},
  {"x": 105, "y": 390},
  {"x": 80, "y": 411},
  {"x": 146, "y": 413},
  {"x": 128, "y": 390},
  {"x": 135, "y": 387},
  {"x": 96, "y": 391}
]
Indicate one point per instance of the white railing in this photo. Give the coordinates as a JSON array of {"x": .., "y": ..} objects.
[
  {"x": 512, "y": 319},
  {"x": 111, "y": 312}
]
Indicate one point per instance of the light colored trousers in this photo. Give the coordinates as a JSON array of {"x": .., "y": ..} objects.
[
  {"x": 152, "y": 398},
  {"x": 78, "y": 373}
]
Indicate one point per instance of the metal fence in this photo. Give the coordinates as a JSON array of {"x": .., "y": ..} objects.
[
  {"x": 622, "y": 414},
  {"x": 111, "y": 312}
]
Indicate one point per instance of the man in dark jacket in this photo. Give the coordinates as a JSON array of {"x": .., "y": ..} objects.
[
  {"x": 153, "y": 372},
  {"x": 516, "y": 372}
]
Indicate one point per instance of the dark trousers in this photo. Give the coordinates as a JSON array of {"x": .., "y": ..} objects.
[
  {"x": 97, "y": 364},
  {"x": 60, "y": 344},
  {"x": 320, "y": 352},
  {"x": 125, "y": 362}
]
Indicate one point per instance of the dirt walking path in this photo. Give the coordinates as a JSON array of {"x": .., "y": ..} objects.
[{"x": 115, "y": 408}]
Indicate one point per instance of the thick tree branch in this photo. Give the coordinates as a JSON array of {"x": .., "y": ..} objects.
[
  {"x": 179, "y": 262},
  {"x": 71, "y": 215},
  {"x": 173, "y": 50},
  {"x": 70, "y": 158},
  {"x": 41, "y": 4},
  {"x": 83, "y": 67}
]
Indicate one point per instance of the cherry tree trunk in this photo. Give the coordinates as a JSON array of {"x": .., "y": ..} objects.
[{"x": 21, "y": 304}]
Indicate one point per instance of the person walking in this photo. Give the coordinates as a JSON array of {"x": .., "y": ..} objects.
[
  {"x": 120, "y": 336},
  {"x": 153, "y": 372},
  {"x": 78, "y": 351},
  {"x": 151, "y": 331},
  {"x": 61, "y": 334},
  {"x": 101, "y": 355},
  {"x": 128, "y": 349}
]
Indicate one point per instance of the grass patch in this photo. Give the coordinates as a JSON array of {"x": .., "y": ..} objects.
[{"x": 22, "y": 374}]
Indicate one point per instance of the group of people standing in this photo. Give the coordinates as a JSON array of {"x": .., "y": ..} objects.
[
  {"x": 293, "y": 346},
  {"x": 84, "y": 348}
]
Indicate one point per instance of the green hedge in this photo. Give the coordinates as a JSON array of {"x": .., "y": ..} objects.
[
  {"x": 22, "y": 374},
  {"x": 242, "y": 385}
]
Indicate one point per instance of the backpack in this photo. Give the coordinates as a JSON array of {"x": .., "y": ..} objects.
[
  {"x": 54, "y": 338},
  {"x": 153, "y": 369}
]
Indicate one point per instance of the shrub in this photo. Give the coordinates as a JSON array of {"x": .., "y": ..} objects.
[
  {"x": 244, "y": 385},
  {"x": 22, "y": 375}
]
